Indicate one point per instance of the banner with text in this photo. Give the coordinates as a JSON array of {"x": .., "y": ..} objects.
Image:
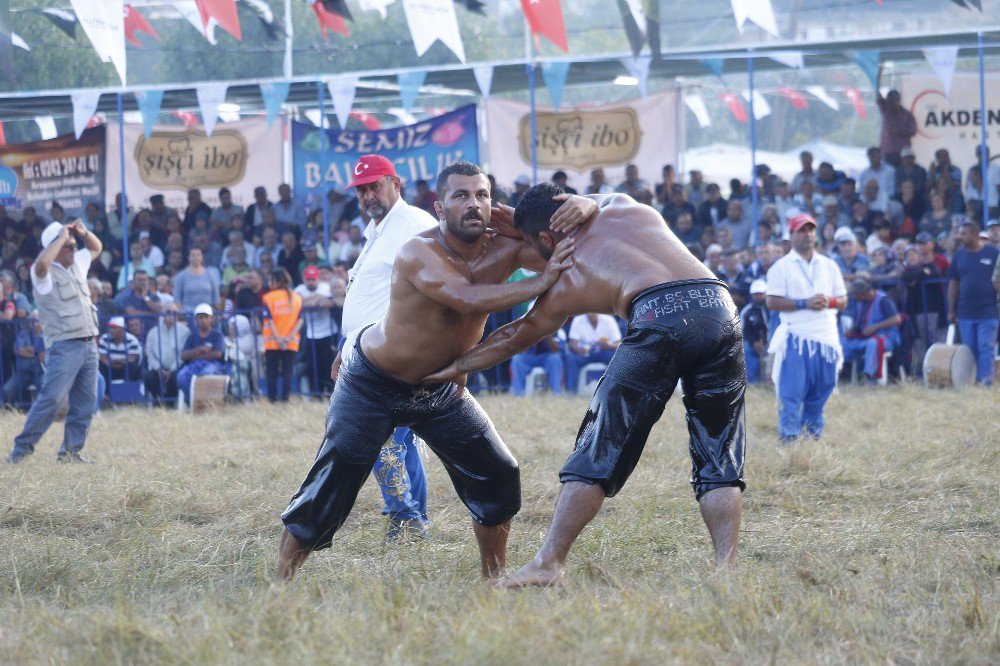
[
  {"x": 175, "y": 159},
  {"x": 952, "y": 122},
  {"x": 644, "y": 132},
  {"x": 63, "y": 169},
  {"x": 418, "y": 151}
]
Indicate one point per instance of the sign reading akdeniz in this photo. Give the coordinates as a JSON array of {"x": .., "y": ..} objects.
[{"x": 418, "y": 151}]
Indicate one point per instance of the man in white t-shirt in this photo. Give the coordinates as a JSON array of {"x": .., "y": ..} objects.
[
  {"x": 317, "y": 340},
  {"x": 593, "y": 338}
]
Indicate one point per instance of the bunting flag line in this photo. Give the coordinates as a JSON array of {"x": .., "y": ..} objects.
[
  {"x": 47, "y": 127},
  {"x": 795, "y": 97},
  {"x": 338, "y": 8},
  {"x": 854, "y": 95},
  {"x": 136, "y": 22},
  {"x": 758, "y": 11},
  {"x": 84, "y": 106},
  {"x": 409, "y": 87},
  {"x": 210, "y": 96},
  {"x": 368, "y": 120},
  {"x": 104, "y": 24},
  {"x": 376, "y": 6},
  {"x": 274, "y": 95},
  {"x": 149, "y": 102},
  {"x": 761, "y": 107},
  {"x": 273, "y": 28},
  {"x": 713, "y": 65},
  {"x": 545, "y": 17},
  {"x": 61, "y": 19},
  {"x": 342, "y": 93},
  {"x": 189, "y": 10},
  {"x": 868, "y": 61},
  {"x": 431, "y": 20},
  {"x": 225, "y": 14},
  {"x": 942, "y": 60},
  {"x": 328, "y": 20},
  {"x": 793, "y": 59},
  {"x": 698, "y": 108},
  {"x": 554, "y": 73},
  {"x": 484, "y": 78},
  {"x": 735, "y": 105},
  {"x": 638, "y": 68},
  {"x": 820, "y": 93},
  {"x": 634, "y": 23},
  {"x": 16, "y": 40}
]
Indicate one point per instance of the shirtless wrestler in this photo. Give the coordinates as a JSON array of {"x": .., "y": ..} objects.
[
  {"x": 683, "y": 327},
  {"x": 445, "y": 282}
]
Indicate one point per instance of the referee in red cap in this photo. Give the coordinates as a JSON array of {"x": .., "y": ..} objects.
[{"x": 399, "y": 469}]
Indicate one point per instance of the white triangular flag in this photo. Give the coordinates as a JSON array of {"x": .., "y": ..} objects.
[
  {"x": 761, "y": 109},
  {"x": 342, "y": 92},
  {"x": 404, "y": 116},
  {"x": 210, "y": 96},
  {"x": 375, "y": 6},
  {"x": 84, "y": 106},
  {"x": 314, "y": 117},
  {"x": 47, "y": 126},
  {"x": 942, "y": 60},
  {"x": 104, "y": 23},
  {"x": 638, "y": 68},
  {"x": 820, "y": 93},
  {"x": 431, "y": 20},
  {"x": 132, "y": 117},
  {"x": 698, "y": 108},
  {"x": 793, "y": 59},
  {"x": 17, "y": 41},
  {"x": 635, "y": 8},
  {"x": 758, "y": 11},
  {"x": 484, "y": 77},
  {"x": 189, "y": 10}
]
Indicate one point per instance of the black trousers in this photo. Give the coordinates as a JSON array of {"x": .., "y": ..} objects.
[
  {"x": 279, "y": 363},
  {"x": 317, "y": 355}
]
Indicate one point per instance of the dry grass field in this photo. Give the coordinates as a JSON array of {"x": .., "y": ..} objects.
[{"x": 878, "y": 544}]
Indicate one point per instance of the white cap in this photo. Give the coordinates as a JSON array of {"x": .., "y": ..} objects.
[
  {"x": 117, "y": 321},
  {"x": 51, "y": 233},
  {"x": 758, "y": 286},
  {"x": 844, "y": 234},
  {"x": 204, "y": 309},
  {"x": 522, "y": 180}
]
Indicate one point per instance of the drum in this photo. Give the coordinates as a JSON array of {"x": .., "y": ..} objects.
[{"x": 949, "y": 366}]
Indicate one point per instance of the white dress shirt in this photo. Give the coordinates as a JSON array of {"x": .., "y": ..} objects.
[
  {"x": 368, "y": 295},
  {"x": 587, "y": 336},
  {"x": 795, "y": 278},
  {"x": 319, "y": 321},
  {"x": 885, "y": 176}
]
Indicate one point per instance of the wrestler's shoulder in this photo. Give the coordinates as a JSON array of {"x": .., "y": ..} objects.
[{"x": 418, "y": 248}]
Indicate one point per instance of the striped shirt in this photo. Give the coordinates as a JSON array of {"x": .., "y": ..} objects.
[{"x": 119, "y": 351}]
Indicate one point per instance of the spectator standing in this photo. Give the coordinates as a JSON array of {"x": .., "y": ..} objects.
[
  {"x": 197, "y": 283},
  {"x": 195, "y": 208},
  {"x": 598, "y": 183},
  {"x": 318, "y": 344},
  {"x": 924, "y": 298},
  {"x": 754, "y": 318},
  {"x": 807, "y": 291},
  {"x": 254, "y": 217},
  {"x": 69, "y": 324},
  {"x": 559, "y": 178},
  {"x": 633, "y": 184},
  {"x": 713, "y": 209},
  {"x": 290, "y": 255},
  {"x": 521, "y": 185},
  {"x": 972, "y": 300},
  {"x": 163, "y": 354},
  {"x": 694, "y": 191},
  {"x": 545, "y": 354},
  {"x": 898, "y": 124},
  {"x": 203, "y": 351},
  {"x": 740, "y": 224},
  {"x": 663, "y": 188},
  {"x": 158, "y": 211},
  {"x": 593, "y": 338},
  {"x": 874, "y": 327},
  {"x": 908, "y": 169},
  {"x": 289, "y": 212},
  {"x": 281, "y": 334}
]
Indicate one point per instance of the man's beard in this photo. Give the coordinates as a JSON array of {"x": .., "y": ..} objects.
[
  {"x": 375, "y": 211},
  {"x": 465, "y": 233}
]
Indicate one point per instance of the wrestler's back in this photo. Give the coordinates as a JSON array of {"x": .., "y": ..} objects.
[{"x": 627, "y": 248}]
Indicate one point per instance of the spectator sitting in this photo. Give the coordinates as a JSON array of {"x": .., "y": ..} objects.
[
  {"x": 248, "y": 296},
  {"x": 695, "y": 189},
  {"x": 675, "y": 205},
  {"x": 806, "y": 175},
  {"x": 593, "y": 338},
  {"x": 713, "y": 209},
  {"x": 29, "y": 363},
  {"x": 632, "y": 183},
  {"x": 254, "y": 217},
  {"x": 993, "y": 233},
  {"x": 137, "y": 262},
  {"x": 724, "y": 236},
  {"x": 497, "y": 194},
  {"x": 290, "y": 255},
  {"x": 163, "y": 354},
  {"x": 150, "y": 252},
  {"x": 848, "y": 259},
  {"x": 910, "y": 170},
  {"x": 880, "y": 237},
  {"x": 236, "y": 239},
  {"x": 974, "y": 189},
  {"x": 832, "y": 213},
  {"x": 222, "y": 216},
  {"x": 211, "y": 251},
  {"x": 885, "y": 270},
  {"x": 740, "y": 224},
  {"x": 828, "y": 180},
  {"x": 765, "y": 230},
  {"x": 874, "y": 328},
  {"x": 426, "y": 197},
  {"x": 175, "y": 263},
  {"x": 106, "y": 306},
  {"x": 310, "y": 257},
  {"x": 755, "y": 318},
  {"x": 807, "y": 200},
  {"x": 912, "y": 209},
  {"x": 863, "y": 219},
  {"x": 545, "y": 354},
  {"x": 269, "y": 245},
  {"x": 942, "y": 167},
  {"x": 713, "y": 258},
  {"x": 237, "y": 266},
  {"x": 119, "y": 352},
  {"x": 685, "y": 230},
  {"x": 195, "y": 208},
  {"x": 730, "y": 272},
  {"x": 783, "y": 201},
  {"x": 164, "y": 289},
  {"x": 661, "y": 191},
  {"x": 882, "y": 173},
  {"x": 598, "y": 183},
  {"x": 351, "y": 250},
  {"x": 951, "y": 192},
  {"x": 521, "y": 185},
  {"x": 289, "y": 211},
  {"x": 848, "y": 196},
  {"x": 242, "y": 343},
  {"x": 138, "y": 299},
  {"x": 203, "y": 350},
  {"x": 559, "y": 178}
]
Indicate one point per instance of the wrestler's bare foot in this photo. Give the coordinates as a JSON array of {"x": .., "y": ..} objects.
[
  {"x": 291, "y": 555},
  {"x": 535, "y": 574}
]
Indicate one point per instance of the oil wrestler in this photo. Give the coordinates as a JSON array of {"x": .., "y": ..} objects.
[
  {"x": 445, "y": 283},
  {"x": 683, "y": 326}
]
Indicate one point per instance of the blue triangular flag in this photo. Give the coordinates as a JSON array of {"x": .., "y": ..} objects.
[
  {"x": 868, "y": 62},
  {"x": 409, "y": 87},
  {"x": 554, "y": 74},
  {"x": 274, "y": 95},
  {"x": 149, "y": 102},
  {"x": 713, "y": 65}
]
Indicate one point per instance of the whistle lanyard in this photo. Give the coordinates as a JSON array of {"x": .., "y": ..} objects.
[
  {"x": 808, "y": 276},
  {"x": 369, "y": 243}
]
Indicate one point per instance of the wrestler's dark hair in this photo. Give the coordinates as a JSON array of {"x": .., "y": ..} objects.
[
  {"x": 535, "y": 208},
  {"x": 460, "y": 168}
]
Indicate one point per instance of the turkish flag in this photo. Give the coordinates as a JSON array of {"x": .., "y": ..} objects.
[
  {"x": 859, "y": 106},
  {"x": 795, "y": 97},
  {"x": 3, "y": 139},
  {"x": 546, "y": 18},
  {"x": 186, "y": 117},
  {"x": 736, "y": 107},
  {"x": 366, "y": 119},
  {"x": 136, "y": 22},
  {"x": 329, "y": 21},
  {"x": 224, "y": 13}
]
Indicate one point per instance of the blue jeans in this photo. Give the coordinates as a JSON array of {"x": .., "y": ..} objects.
[
  {"x": 980, "y": 335},
  {"x": 753, "y": 363},
  {"x": 575, "y": 362},
  {"x": 522, "y": 364},
  {"x": 194, "y": 369},
  {"x": 70, "y": 370},
  {"x": 805, "y": 384},
  {"x": 855, "y": 348},
  {"x": 400, "y": 475}
]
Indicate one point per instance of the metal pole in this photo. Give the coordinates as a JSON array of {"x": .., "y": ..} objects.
[
  {"x": 753, "y": 153},
  {"x": 288, "y": 40},
  {"x": 323, "y": 166},
  {"x": 984, "y": 152},
  {"x": 124, "y": 210},
  {"x": 534, "y": 123}
]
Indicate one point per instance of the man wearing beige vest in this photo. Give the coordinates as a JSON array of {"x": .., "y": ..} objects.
[{"x": 69, "y": 326}]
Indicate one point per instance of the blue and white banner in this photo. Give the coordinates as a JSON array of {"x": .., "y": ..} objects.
[{"x": 418, "y": 151}]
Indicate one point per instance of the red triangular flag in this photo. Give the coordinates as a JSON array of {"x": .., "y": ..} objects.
[
  {"x": 136, "y": 22},
  {"x": 546, "y": 18},
  {"x": 795, "y": 97},
  {"x": 366, "y": 119},
  {"x": 186, "y": 117},
  {"x": 95, "y": 121},
  {"x": 859, "y": 106},
  {"x": 736, "y": 107},
  {"x": 224, "y": 13},
  {"x": 328, "y": 20},
  {"x": 3, "y": 138}
]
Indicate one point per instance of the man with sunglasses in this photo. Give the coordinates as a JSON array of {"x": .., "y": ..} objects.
[{"x": 69, "y": 326}]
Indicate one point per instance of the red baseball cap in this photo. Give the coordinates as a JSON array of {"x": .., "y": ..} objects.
[
  {"x": 799, "y": 221},
  {"x": 370, "y": 168},
  {"x": 310, "y": 273}
]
